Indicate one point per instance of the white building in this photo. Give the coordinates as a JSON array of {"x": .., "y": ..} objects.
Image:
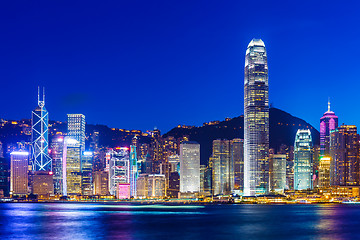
[{"x": 189, "y": 167}]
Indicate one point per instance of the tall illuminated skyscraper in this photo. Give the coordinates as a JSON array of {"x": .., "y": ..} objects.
[
  {"x": 189, "y": 167},
  {"x": 39, "y": 137},
  {"x": 76, "y": 128},
  {"x": 19, "y": 173},
  {"x": 344, "y": 152},
  {"x": 256, "y": 120},
  {"x": 328, "y": 122},
  {"x": 223, "y": 167},
  {"x": 303, "y": 171}
]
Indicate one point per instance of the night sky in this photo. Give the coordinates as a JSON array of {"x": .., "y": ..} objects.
[{"x": 140, "y": 64}]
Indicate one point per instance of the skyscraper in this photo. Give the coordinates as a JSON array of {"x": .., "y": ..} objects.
[
  {"x": 344, "y": 151},
  {"x": 19, "y": 173},
  {"x": 76, "y": 128},
  {"x": 237, "y": 158},
  {"x": 39, "y": 137},
  {"x": 189, "y": 167},
  {"x": 328, "y": 122},
  {"x": 119, "y": 168},
  {"x": 71, "y": 167},
  {"x": 133, "y": 170},
  {"x": 223, "y": 167},
  {"x": 86, "y": 173},
  {"x": 256, "y": 120},
  {"x": 277, "y": 170},
  {"x": 303, "y": 160},
  {"x": 57, "y": 147}
]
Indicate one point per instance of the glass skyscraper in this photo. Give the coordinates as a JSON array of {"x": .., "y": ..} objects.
[
  {"x": 76, "y": 128},
  {"x": 39, "y": 137},
  {"x": 303, "y": 160},
  {"x": 256, "y": 120},
  {"x": 328, "y": 122},
  {"x": 223, "y": 167}
]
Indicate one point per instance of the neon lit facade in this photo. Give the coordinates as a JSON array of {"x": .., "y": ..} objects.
[
  {"x": 303, "y": 171},
  {"x": 328, "y": 122},
  {"x": 256, "y": 120},
  {"x": 39, "y": 137}
]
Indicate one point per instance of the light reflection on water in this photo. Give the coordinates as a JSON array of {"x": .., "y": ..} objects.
[{"x": 133, "y": 221}]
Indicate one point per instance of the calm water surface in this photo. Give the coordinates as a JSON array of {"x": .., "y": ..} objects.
[{"x": 131, "y": 221}]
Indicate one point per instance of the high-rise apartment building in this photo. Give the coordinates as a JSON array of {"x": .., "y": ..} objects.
[
  {"x": 344, "y": 152},
  {"x": 328, "y": 122},
  {"x": 303, "y": 160},
  {"x": 189, "y": 167},
  {"x": 256, "y": 120},
  {"x": 39, "y": 137},
  {"x": 19, "y": 162},
  {"x": 76, "y": 128}
]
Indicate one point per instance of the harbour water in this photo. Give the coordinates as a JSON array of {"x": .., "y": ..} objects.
[{"x": 135, "y": 221}]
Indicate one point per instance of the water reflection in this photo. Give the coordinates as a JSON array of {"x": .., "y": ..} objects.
[{"x": 132, "y": 221}]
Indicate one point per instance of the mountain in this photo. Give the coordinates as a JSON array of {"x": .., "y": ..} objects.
[{"x": 283, "y": 127}]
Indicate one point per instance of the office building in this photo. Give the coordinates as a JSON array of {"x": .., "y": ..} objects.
[
  {"x": 119, "y": 168},
  {"x": 86, "y": 173},
  {"x": 142, "y": 189},
  {"x": 4, "y": 177},
  {"x": 19, "y": 162},
  {"x": 174, "y": 185},
  {"x": 43, "y": 184},
  {"x": 156, "y": 185},
  {"x": 133, "y": 170},
  {"x": 277, "y": 172},
  {"x": 189, "y": 167},
  {"x": 237, "y": 158},
  {"x": 324, "y": 172},
  {"x": 328, "y": 122},
  {"x": 344, "y": 153},
  {"x": 303, "y": 160},
  {"x": 76, "y": 128},
  {"x": 101, "y": 183},
  {"x": 56, "y": 154},
  {"x": 71, "y": 167},
  {"x": 256, "y": 120},
  {"x": 223, "y": 168},
  {"x": 40, "y": 158}
]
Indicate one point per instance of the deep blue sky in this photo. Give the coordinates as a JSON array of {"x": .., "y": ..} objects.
[{"x": 139, "y": 64}]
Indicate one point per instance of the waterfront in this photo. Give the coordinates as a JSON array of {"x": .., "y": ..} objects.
[{"x": 136, "y": 221}]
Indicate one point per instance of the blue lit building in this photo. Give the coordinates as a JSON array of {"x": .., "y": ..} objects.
[{"x": 41, "y": 160}]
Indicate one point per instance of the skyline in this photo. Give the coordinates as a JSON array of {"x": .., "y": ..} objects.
[{"x": 187, "y": 70}]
